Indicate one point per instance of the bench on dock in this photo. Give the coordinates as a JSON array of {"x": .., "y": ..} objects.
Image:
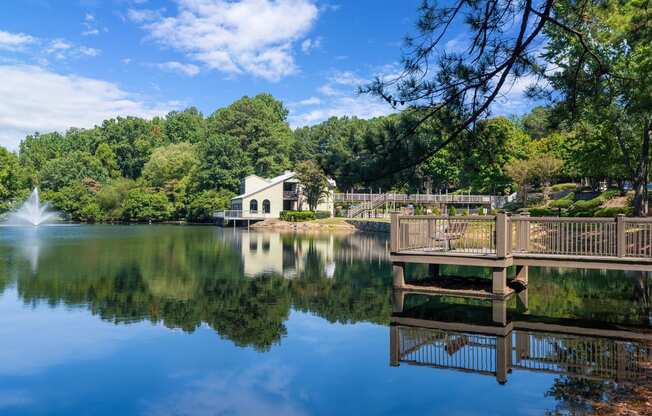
[{"x": 452, "y": 231}]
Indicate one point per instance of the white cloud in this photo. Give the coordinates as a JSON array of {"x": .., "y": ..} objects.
[
  {"x": 309, "y": 44},
  {"x": 310, "y": 101},
  {"x": 185, "y": 69},
  {"x": 245, "y": 36},
  {"x": 37, "y": 99},
  {"x": 513, "y": 99},
  {"x": 91, "y": 32},
  {"x": 260, "y": 390},
  {"x": 14, "y": 41}
]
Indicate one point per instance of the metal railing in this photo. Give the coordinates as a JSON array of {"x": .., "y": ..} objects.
[{"x": 503, "y": 235}]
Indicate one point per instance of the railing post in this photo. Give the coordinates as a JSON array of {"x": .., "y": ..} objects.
[
  {"x": 501, "y": 235},
  {"x": 394, "y": 233},
  {"x": 621, "y": 244},
  {"x": 523, "y": 232}
]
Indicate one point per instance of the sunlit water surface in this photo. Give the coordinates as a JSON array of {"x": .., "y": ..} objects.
[{"x": 169, "y": 320}]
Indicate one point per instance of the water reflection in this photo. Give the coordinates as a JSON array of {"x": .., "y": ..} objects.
[
  {"x": 582, "y": 333},
  {"x": 497, "y": 337}
]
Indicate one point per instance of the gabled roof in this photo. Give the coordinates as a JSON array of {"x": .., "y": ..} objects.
[{"x": 270, "y": 182}]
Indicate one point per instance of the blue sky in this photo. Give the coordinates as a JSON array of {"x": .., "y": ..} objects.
[{"x": 76, "y": 62}]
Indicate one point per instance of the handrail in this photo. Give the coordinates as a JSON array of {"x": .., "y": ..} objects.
[{"x": 504, "y": 236}]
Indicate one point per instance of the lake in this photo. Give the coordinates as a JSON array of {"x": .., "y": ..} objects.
[{"x": 185, "y": 320}]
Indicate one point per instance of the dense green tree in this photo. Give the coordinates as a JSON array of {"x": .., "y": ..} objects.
[
  {"x": 71, "y": 169},
  {"x": 107, "y": 158},
  {"x": 206, "y": 203},
  {"x": 169, "y": 163},
  {"x": 185, "y": 126},
  {"x": 141, "y": 205},
  {"x": 314, "y": 184},
  {"x": 222, "y": 163},
  {"x": 603, "y": 76},
  {"x": 260, "y": 125},
  {"x": 112, "y": 196},
  {"x": 10, "y": 180}
]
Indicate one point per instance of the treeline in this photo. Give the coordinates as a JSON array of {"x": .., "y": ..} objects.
[{"x": 185, "y": 165}]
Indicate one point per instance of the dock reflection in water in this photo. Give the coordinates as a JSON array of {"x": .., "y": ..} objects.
[{"x": 496, "y": 337}]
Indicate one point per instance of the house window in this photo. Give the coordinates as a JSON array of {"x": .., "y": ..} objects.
[
  {"x": 267, "y": 208},
  {"x": 253, "y": 206}
]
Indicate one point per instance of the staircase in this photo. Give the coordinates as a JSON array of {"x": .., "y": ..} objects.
[{"x": 365, "y": 206}]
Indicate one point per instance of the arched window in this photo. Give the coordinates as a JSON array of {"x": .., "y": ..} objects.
[
  {"x": 267, "y": 208},
  {"x": 253, "y": 206}
]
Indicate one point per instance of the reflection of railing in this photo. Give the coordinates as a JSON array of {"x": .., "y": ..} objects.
[
  {"x": 290, "y": 195},
  {"x": 563, "y": 354}
]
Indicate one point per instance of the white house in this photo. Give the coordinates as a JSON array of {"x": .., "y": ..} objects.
[{"x": 262, "y": 198}]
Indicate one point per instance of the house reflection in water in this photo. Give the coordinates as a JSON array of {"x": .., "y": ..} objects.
[
  {"x": 494, "y": 338},
  {"x": 281, "y": 254},
  {"x": 265, "y": 252}
]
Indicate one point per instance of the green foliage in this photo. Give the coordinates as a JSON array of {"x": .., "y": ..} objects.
[
  {"x": 222, "y": 164},
  {"x": 259, "y": 124},
  {"x": 563, "y": 203},
  {"x": 10, "y": 180},
  {"x": 298, "y": 216},
  {"x": 313, "y": 182},
  {"x": 452, "y": 211},
  {"x": 465, "y": 212},
  {"x": 563, "y": 187},
  {"x": 613, "y": 211},
  {"x": 141, "y": 205},
  {"x": 70, "y": 169},
  {"x": 76, "y": 201},
  {"x": 543, "y": 212},
  {"x": 170, "y": 163},
  {"x": 111, "y": 197},
  {"x": 206, "y": 203}
]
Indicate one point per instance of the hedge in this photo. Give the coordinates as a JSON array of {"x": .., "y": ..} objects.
[{"x": 300, "y": 216}]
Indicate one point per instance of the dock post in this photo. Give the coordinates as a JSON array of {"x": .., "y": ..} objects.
[
  {"x": 499, "y": 311},
  {"x": 393, "y": 233},
  {"x": 503, "y": 357},
  {"x": 501, "y": 236},
  {"x": 522, "y": 302},
  {"x": 522, "y": 345},
  {"x": 499, "y": 281},
  {"x": 398, "y": 271},
  {"x": 433, "y": 270},
  {"x": 621, "y": 244},
  {"x": 398, "y": 299},
  {"x": 522, "y": 274},
  {"x": 394, "y": 346}
]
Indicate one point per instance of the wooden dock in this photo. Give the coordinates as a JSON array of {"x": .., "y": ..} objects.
[{"x": 502, "y": 241}]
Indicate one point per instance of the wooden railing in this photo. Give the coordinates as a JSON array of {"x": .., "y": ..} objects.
[
  {"x": 494, "y": 200},
  {"x": 503, "y": 235},
  {"x": 472, "y": 234}
]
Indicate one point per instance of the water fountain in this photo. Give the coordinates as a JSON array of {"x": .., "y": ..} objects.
[{"x": 32, "y": 212}]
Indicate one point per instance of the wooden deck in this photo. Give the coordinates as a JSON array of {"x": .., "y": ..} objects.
[{"x": 503, "y": 241}]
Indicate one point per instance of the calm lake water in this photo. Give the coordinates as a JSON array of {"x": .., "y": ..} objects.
[{"x": 171, "y": 320}]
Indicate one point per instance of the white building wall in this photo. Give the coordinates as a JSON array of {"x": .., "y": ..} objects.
[{"x": 275, "y": 196}]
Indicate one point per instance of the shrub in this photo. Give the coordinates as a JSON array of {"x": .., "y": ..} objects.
[
  {"x": 298, "y": 216},
  {"x": 494, "y": 211},
  {"x": 612, "y": 212},
  {"x": 436, "y": 211},
  {"x": 453, "y": 211},
  {"x": 563, "y": 187},
  {"x": 564, "y": 202},
  {"x": 465, "y": 212},
  {"x": 542, "y": 212},
  {"x": 141, "y": 205},
  {"x": 203, "y": 206},
  {"x": 319, "y": 215}
]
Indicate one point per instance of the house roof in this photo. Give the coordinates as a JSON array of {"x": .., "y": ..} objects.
[{"x": 270, "y": 182}]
